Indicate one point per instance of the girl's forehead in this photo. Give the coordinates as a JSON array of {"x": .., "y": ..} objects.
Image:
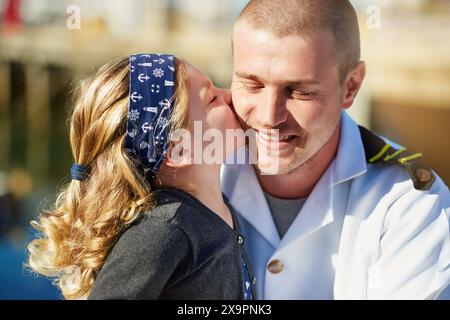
[{"x": 197, "y": 78}]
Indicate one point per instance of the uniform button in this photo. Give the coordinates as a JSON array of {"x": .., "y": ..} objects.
[
  {"x": 240, "y": 239},
  {"x": 275, "y": 266},
  {"x": 254, "y": 280},
  {"x": 423, "y": 175}
]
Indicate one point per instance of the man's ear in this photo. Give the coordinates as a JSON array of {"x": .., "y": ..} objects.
[
  {"x": 353, "y": 83},
  {"x": 178, "y": 156}
]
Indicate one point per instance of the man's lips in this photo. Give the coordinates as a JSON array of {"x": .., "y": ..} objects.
[
  {"x": 274, "y": 140},
  {"x": 275, "y": 136}
]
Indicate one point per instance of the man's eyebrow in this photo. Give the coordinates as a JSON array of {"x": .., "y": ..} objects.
[
  {"x": 294, "y": 83},
  {"x": 303, "y": 83},
  {"x": 248, "y": 76}
]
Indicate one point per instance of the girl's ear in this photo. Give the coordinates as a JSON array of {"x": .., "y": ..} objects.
[{"x": 178, "y": 156}]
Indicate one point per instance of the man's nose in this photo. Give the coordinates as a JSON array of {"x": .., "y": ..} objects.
[{"x": 272, "y": 110}]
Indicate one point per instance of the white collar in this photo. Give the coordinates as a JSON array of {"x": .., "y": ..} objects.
[{"x": 350, "y": 160}]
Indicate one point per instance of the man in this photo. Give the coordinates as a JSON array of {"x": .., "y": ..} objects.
[{"x": 348, "y": 214}]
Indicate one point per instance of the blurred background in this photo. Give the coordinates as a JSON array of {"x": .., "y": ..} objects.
[{"x": 46, "y": 46}]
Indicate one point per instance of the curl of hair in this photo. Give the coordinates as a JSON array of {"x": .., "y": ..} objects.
[{"x": 77, "y": 233}]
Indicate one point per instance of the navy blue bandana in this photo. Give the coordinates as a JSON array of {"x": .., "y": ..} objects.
[{"x": 150, "y": 107}]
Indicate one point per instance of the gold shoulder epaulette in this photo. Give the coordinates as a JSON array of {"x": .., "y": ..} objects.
[{"x": 380, "y": 152}]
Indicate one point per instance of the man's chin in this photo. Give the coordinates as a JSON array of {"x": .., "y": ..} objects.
[{"x": 280, "y": 165}]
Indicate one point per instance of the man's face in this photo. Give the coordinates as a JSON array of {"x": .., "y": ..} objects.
[{"x": 290, "y": 84}]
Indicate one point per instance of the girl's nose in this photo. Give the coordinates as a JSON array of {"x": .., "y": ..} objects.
[{"x": 225, "y": 94}]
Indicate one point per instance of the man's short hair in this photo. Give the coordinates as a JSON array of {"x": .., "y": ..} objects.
[{"x": 304, "y": 18}]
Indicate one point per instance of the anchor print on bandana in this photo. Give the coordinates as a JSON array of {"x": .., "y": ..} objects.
[{"x": 152, "y": 85}]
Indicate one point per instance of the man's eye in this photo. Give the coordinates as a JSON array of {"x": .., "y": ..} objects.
[
  {"x": 252, "y": 87},
  {"x": 303, "y": 95}
]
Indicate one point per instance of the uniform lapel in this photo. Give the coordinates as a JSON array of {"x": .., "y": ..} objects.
[{"x": 315, "y": 214}]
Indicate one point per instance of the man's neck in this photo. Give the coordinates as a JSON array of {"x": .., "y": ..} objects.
[{"x": 300, "y": 182}]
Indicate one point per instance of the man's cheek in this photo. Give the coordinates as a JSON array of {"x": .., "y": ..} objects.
[
  {"x": 241, "y": 107},
  {"x": 248, "y": 116},
  {"x": 235, "y": 107}
]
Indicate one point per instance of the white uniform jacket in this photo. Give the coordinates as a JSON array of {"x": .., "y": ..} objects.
[{"x": 364, "y": 232}]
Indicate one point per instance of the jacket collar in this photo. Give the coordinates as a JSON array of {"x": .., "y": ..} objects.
[
  {"x": 247, "y": 197},
  {"x": 350, "y": 160}
]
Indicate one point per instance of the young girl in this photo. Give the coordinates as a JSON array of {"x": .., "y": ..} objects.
[{"x": 138, "y": 220}]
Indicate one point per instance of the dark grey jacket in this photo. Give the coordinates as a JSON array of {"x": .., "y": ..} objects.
[{"x": 179, "y": 250}]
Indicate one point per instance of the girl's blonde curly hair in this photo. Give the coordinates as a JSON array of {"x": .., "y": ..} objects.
[{"x": 77, "y": 233}]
